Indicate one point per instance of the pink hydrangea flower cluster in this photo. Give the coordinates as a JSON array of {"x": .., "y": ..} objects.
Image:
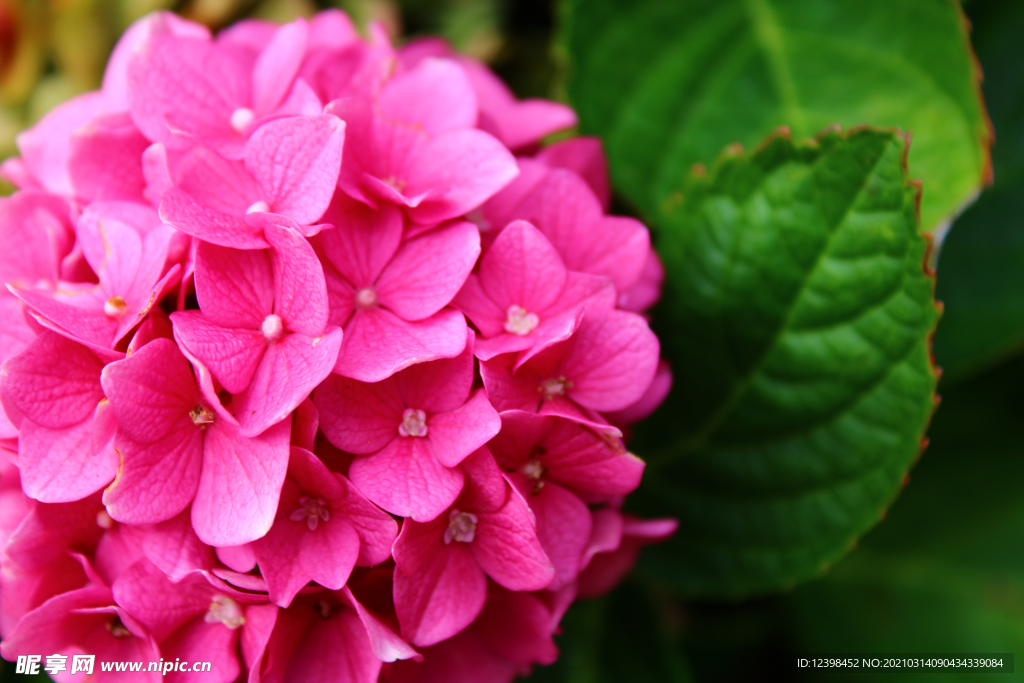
[{"x": 316, "y": 364}]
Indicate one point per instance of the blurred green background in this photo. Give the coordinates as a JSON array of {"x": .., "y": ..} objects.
[{"x": 944, "y": 571}]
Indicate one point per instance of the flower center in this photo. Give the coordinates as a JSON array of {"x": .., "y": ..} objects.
[
  {"x": 414, "y": 423},
  {"x": 476, "y": 216},
  {"x": 258, "y": 207},
  {"x": 241, "y": 118},
  {"x": 555, "y": 387},
  {"x": 114, "y": 307},
  {"x": 117, "y": 629},
  {"x": 226, "y": 611},
  {"x": 104, "y": 520},
  {"x": 395, "y": 183},
  {"x": 326, "y": 609},
  {"x": 272, "y": 327},
  {"x": 312, "y": 510},
  {"x": 461, "y": 527},
  {"x": 201, "y": 416},
  {"x": 520, "y": 321},
  {"x": 533, "y": 469},
  {"x": 366, "y": 298}
]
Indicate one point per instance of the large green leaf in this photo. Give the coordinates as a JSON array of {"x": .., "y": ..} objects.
[
  {"x": 669, "y": 84},
  {"x": 945, "y": 573},
  {"x": 798, "y": 314},
  {"x": 981, "y": 267}
]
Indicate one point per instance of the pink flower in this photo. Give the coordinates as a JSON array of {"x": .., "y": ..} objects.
[
  {"x": 290, "y": 168},
  {"x": 390, "y": 295},
  {"x": 410, "y": 432},
  {"x": 559, "y": 466},
  {"x": 524, "y": 298},
  {"x": 176, "y": 447},
  {"x": 199, "y": 618},
  {"x": 251, "y": 382},
  {"x": 262, "y": 326},
  {"x": 188, "y": 89},
  {"x": 416, "y": 145},
  {"x": 516, "y": 123},
  {"x": 130, "y": 263},
  {"x": 327, "y": 637},
  {"x": 513, "y": 632},
  {"x": 88, "y": 621},
  {"x": 324, "y": 528},
  {"x": 442, "y": 565},
  {"x": 606, "y": 365},
  {"x": 615, "y": 546}
]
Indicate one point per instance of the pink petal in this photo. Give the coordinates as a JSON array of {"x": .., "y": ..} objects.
[
  {"x": 465, "y": 167},
  {"x": 217, "y": 183},
  {"x": 442, "y": 597},
  {"x": 485, "y": 489},
  {"x": 584, "y": 156},
  {"x": 179, "y": 209},
  {"x": 522, "y": 268},
  {"x": 563, "y": 526},
  {"x": 358, "y": 417},
  {"x": 378, "y": 343},
  {"x": 612, "y": 361},
  {"x": 387, "y": 645},
  {"x": 95, "y": 330},
  {"x": 427, "y": 272},
  {"x": 291, "y": 555},
  {"x": 568, "y": 213},
  {"x": 58, "y": 465},
  {"x": 405, "y": 479},
  {"x": 518, "y": 627},
  {"x": 173, "y": 546},
  {"x": 234, "y": 288},
  {"x": 377, "y": 530},
  {"x": 289, "y": 370},
  {"x": 441, "y": 385},
  {"x": 198, "y": 641},
  {"x": 647, "y": 290},
  {"x": 240, "y": 558},
  {"x": 363, "y": 240},
  {"x": 232, "y": 355},
  {"x": 240, "y": 484},
  {"x": 46, "y": 146},
  {"x": 305, "y": 425},
  {"x": 435, "y": 95},
  {"x": 507, "y": 548},
  {"x": 190, "y": 84},
  {"x": 105, "y": 159},
  {"x": 160, "y": 605},
  {"x": 156, "y": 480},
  {"x": 35, "y": 233},
  {"x": 115, "y": 77},
  {"x": 592, "y": 465},
  {"x": 337, "y": 650},
  {"x": 296, "y": 161},
  {"x": 486, "y": 315},
  {"x": 152, "y": 391},
  {"x": 277, "y": 65},
  {"x": 649, "y": 402},
  {"x": 454, "y": 435},
  {"x": 300, "y": 294},
  {"x": 54, "y": 382}
]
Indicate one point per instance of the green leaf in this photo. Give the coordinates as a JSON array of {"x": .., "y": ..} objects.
[
  {"x": 945, "y": 573},
  {"x": 981, "y": 267},
  {"x": 669, "y": 84},
  {"x": 798, "y": 315},
  {"x": 620, "y": 637}
]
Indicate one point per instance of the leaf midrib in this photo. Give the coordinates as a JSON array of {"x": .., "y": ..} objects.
[{"x": 704, "y": 434}]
